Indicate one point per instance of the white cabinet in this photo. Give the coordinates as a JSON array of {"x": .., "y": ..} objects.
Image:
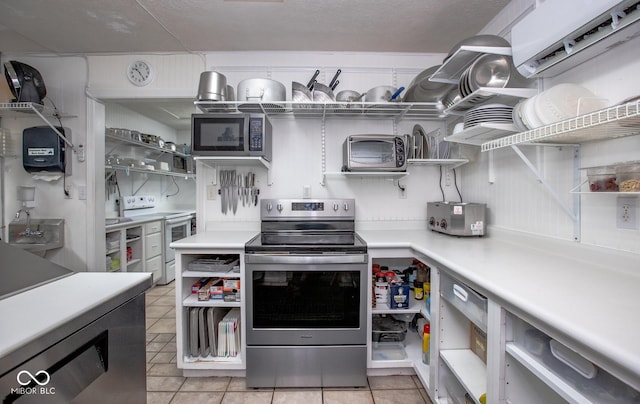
[
  {"x": 462, "y": 329},
  {"x": 386, "y": 355},
  {"x": 189, "y": 272},
  {"x": 153, "y": 242},
  {"x": 124, "y": 249},
  {"x": 540, "y": 368}
]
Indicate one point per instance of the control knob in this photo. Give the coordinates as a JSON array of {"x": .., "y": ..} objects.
[
  {"x": 336, "y": 207},
  {"x": 443, "y": 224},
  {"x": 279, "y": 207},
  {"x": 269, "y": 207}
]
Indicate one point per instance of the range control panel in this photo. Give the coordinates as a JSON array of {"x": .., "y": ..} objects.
[
  {"x": 138, "y": 202},
  {"x": 307, "y": 208}
]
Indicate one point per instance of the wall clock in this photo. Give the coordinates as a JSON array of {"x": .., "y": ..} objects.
[{"x": 140, "y": 73}]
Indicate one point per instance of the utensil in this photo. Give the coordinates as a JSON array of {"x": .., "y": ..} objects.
[
  {"x": 334, "y": 81},
  {"x": 396, "y": 94},
  {"x": 322, "y": 93},
  {"x": 313, "y": 80},
  {"x": 300, "y": 92}
]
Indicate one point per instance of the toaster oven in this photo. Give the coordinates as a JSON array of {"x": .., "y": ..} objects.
[
  {"x": 456, "y": 218},
  {"x": 374, "y": 153}
]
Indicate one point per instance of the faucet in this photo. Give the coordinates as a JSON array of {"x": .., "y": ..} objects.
[{"x": 27, "y": 231}]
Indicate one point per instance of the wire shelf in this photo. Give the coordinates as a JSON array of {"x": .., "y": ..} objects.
[
  {"x": 613, "y": 122},
  {"x": 387, "y": 110}
]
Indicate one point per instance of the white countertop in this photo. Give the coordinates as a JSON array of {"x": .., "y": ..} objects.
[
  {"x": 586, "y": 297},
  {"x": 31, "y": 314},
  {"x": 215, "y": 239}
]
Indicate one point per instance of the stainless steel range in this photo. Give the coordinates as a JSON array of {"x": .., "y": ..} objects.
[{"x": 306, "y": 279}]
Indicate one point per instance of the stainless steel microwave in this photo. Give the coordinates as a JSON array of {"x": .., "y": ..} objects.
[
  {"x": 374, "y": 153},
  {"x": 231, "y": 134}
]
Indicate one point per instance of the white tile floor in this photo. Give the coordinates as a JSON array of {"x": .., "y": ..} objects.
[{"x": 165, "y": 383}]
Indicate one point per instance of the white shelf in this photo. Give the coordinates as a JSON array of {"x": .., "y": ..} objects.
[
  {"x": 613, "y": 122},
  {"x": 133, "y": 261},
  {"x": 128, "y": 170},
  {"x": 470, "y": 371},
  {"x": 453, "y": 163},
  {"x": 192, "y": 301},
  {"x": 382, "y": 174},
  {"x": 213, "y": 362},
  {"x": 208, "y": 274},
  {"x": 481, "y": 133},
  {"x": 144, "y": 145},
  {"x": 337, "y": 109},
  {"x": 415, "y": 306},
  {"x": 451, "y": 70},
  {"x": 542, "y": 372},
  {"x": 484, "y": 94},
  {"x": 213, "y": 161},
  {"x": 22, "y": 109}
]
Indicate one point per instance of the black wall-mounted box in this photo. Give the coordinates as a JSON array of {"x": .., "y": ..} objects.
[{"x": 44, "y": 150}]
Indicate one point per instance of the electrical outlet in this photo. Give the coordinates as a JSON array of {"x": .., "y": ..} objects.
[
  {"x": 211, "y": 192},
  {"x": 447, "y": 177},
  {"x": 626, "y": 213}
]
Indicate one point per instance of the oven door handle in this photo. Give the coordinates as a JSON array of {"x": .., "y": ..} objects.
[
  {"x": 181, "y": 220},
  {"x": 305, "y": 259}
]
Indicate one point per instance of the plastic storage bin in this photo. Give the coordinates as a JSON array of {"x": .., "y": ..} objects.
[
  {"x": 602, "y": 179},
  {"x": 584, "y": 376},
  {"x": 628, "y": 177},
  {"x": 472, "y": 304},
  {"x": 387, "y": 329}
]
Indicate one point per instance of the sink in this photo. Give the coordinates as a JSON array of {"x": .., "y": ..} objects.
[
  {"x": 47, "y": 234},
  {"x": 116, "y": 220}
]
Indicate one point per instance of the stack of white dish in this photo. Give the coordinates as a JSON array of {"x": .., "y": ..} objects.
[
  {"x": 561, "y": 102},
  {"x": 490, "y": 113}
]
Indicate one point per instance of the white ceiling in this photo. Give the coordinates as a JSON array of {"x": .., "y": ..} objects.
[{"x": 142, "y": 26}]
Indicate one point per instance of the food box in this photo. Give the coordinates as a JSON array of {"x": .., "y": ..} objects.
[
  {"x": 602, "y": 179},
  {"x": 386, "y": 329},
  {"x": 478, "y": 342},
  {"x": 399, "y": 296},
  {"x": 628, "y": 176},
  {"x": 216, "y": 289}
]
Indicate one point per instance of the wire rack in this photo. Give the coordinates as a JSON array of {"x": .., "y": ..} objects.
[{"x": 617, "y": 121}]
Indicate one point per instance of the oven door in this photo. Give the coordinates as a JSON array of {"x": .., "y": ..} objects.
[
  {"x": 175, "y": 229},
  {"x": 306, "y": 299}
]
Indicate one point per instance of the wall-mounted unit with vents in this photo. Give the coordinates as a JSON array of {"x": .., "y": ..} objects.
[{"x": 559, "y": 35}]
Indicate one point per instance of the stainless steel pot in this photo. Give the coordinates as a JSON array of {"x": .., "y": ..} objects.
[
  {"x": 382, "y": 94},
  {"x": 212, "y": 86},
  {"x": 258, "y": 92},
  {"x": 261, "y": 90},
  {"x": 349, "y": 96}
]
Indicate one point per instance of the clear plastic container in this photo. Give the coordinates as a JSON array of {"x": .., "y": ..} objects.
[
  {"x": 628, "y": 177},
  {"x": 602, "y": 179}
]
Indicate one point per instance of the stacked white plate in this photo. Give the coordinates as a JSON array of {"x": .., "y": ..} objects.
[
  {"x": 493, "y": 113},
  {"x": 561, "y": 102}
]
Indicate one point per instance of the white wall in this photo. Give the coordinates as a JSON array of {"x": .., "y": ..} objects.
[
  {"x": 517, "y": 201},
  {"x": 65, "y": 79},
  {"x": 297, "y": 156}
]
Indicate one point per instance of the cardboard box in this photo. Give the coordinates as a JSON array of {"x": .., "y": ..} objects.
[
  {"x": 478, "y": 342},
  {"x": 203, "y": 293},
  {"x": 216, "y": 290},
  {"x": 229, "y": 284}
]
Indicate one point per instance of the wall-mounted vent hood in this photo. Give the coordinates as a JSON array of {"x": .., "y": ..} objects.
[{"x": 559, "y": 35}]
